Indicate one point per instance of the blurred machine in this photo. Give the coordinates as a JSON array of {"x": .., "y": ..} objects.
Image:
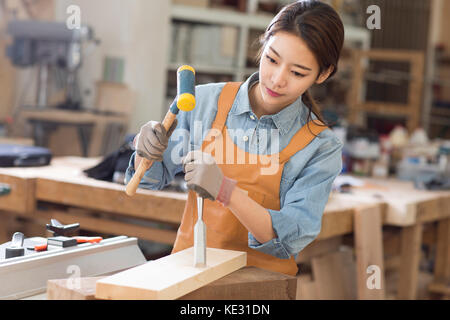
[{"x": 49, "y": 44}]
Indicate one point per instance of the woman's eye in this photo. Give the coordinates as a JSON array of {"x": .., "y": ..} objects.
[
  {"x": 297, "y": 74},
  {"x": 270, "y": 59}
]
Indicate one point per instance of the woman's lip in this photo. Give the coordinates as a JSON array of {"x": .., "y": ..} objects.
[{"x": 272, "y": 93}]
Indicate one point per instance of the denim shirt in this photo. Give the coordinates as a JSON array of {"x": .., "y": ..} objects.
[{"x": 307, "y": 176}]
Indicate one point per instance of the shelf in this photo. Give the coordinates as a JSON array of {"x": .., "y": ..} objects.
[
  {"x": 220, "y": 16},
  {"x": 255, "y": 21}
]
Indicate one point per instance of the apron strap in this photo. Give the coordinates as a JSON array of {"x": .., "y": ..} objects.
[
  {"x": 301, "y": 139},
  {"x": 225, "y": 103}
]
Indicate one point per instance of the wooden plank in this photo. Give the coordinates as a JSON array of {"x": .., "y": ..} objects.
[
  {"x": 249, "y": 283},
  {"x": 67, "y": 116},
  {"x": 369, "y": 252},
  {"x": 110, "y": 197},
  {"x": 21, "y": 199},
  {"x": 334, "y": 275},
  {"x": 442, "y": 262},
  {"x": 170, "y": 277},
  {"x": 411, "y": 243}
]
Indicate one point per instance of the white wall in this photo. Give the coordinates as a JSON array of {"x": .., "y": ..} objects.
[{"x": 138, "y": 31}]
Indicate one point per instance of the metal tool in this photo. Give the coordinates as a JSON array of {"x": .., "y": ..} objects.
[
  {"x": 16, "y": 248},
  {"x": 27, "y": 276},
  {"x": 200, "y": 236},
  {"x": 59, "y": 229}
]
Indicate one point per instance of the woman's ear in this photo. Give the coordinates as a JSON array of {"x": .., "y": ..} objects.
[{"x": 324, "y": 75}]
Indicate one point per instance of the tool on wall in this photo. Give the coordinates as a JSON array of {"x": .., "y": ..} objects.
[{"x": 185, "y": 101}]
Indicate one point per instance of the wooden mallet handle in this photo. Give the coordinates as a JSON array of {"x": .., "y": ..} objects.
[
  {"x": 185, "y": 102},
  {"x": 146, "y": 164}
]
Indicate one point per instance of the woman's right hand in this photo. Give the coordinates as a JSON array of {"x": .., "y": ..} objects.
[{"x": 152, "y": 140}]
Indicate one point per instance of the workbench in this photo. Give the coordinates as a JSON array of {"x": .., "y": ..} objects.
[
  {"x": 97, "y": 123},
  {"x": 62, "y": 192},
  {"x": 410, "y": 209}
]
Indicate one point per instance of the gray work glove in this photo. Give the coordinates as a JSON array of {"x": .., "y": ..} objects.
[
  {"x": 153, "y": 139},
  {"x": 203, "y": 175}
]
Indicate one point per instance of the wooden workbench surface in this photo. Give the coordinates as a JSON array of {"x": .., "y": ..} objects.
[
  {"x": 405, "y": 205},
  {"x": 64, "y": 182}
]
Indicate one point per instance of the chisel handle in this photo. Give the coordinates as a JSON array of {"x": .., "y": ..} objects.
[{"x": 145, "y": 164}]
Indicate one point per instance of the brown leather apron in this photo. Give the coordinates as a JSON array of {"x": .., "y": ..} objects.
[{"x": 223, "y": 229}]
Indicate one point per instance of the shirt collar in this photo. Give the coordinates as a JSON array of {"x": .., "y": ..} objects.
[{"x": 283, "y": 120}]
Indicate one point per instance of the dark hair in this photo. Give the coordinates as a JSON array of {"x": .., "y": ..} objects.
[{"x": 320, "y": 27}]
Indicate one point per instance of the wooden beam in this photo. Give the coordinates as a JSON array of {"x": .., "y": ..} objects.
[
  {"x": 170, "y": 277},
  {"x": 369, "y": 252},
  {"x": 103, "y": 196},
  {"x": 410, "y": 257},
  {"x": 334, "y": 276}
]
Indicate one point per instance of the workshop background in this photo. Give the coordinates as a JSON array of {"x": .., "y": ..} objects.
[{"x": 83, "y": 93}]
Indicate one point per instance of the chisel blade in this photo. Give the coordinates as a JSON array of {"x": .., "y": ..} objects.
[{"x": 200, "y": 237}]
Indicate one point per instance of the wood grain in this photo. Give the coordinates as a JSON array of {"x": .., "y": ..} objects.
[
  {"x": 170, "y": 277},
  {"x": 369, "y": 251},
  {"x": 249, "y": 283}
]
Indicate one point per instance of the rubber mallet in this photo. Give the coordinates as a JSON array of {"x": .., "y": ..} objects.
[{"x": 185, "y": 102}]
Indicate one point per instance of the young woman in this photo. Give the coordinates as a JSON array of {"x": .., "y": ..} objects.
[{"x": 270, "y": 205}]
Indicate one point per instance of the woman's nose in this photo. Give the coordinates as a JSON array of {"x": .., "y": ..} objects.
[{"x": 279, "y": 78}]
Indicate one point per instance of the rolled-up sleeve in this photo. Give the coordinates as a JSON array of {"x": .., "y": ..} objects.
[
  {"x": 162, "y": 173},
  {"x": 299, "y": 221}
]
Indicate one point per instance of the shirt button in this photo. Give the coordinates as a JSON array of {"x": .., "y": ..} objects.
[{"x": 245, "y": 138}]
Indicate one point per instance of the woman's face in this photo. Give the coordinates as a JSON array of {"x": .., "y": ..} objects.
[{"x": 287, "y": 69}]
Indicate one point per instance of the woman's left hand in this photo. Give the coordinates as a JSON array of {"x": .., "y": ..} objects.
[{"x": 203, "y": 175}]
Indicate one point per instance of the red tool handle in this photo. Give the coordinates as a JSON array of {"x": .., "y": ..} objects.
[
  {"x": 88, "y": 239},
  {"x": 41, "y": 247}
]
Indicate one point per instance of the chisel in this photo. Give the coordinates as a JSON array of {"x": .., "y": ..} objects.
[{"x": 200, "y": 236}]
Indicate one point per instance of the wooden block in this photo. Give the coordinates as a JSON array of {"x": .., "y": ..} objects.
[
  {"x": 170, "y": 277},
  {"x": 62, "y": 289},
  {"x": 249, "y": 283},
  {"x": 334, "y": 275}
]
